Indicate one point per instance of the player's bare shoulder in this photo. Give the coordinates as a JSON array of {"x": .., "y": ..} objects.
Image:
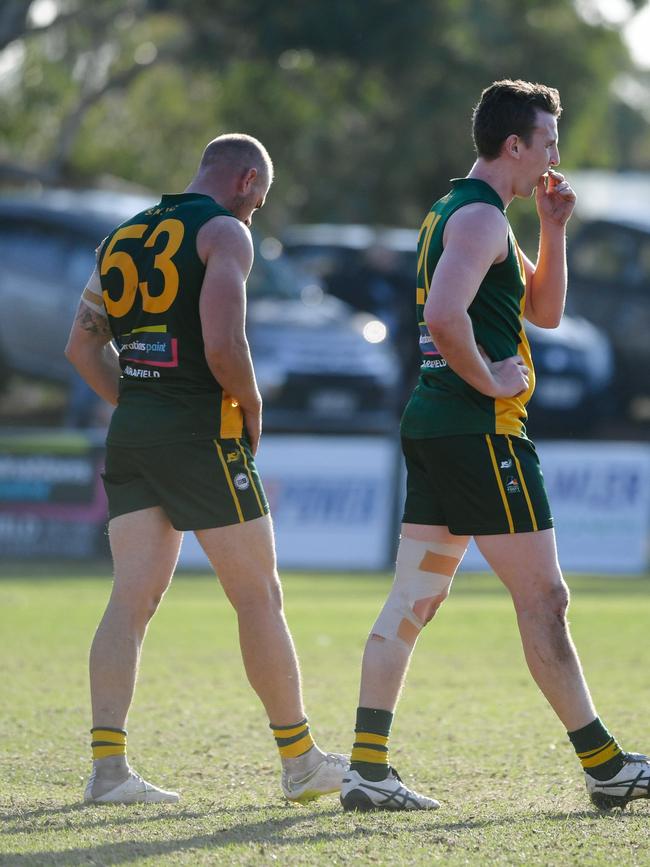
[
  {"x": 478, "y": 218},
  {"x": 228, "y": 237},
  {"x": 478, "y": 226}
]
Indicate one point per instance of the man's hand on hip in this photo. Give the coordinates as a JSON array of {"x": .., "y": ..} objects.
[{"x": 510, "y": 375}]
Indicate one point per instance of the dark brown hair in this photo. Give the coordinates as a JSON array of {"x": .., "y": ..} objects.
[{"x": 509, "y": 107}]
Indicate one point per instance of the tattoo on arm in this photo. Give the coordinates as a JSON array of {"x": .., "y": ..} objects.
[{"x": 93, "y": 322}]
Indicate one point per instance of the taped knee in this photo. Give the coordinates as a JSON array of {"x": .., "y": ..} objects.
[{"x": 423, "y": 576}]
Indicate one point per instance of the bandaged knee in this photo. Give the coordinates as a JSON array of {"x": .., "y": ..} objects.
[{"x": 423, "y": 576}]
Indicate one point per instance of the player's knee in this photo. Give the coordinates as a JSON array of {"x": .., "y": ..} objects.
[
  {"x": 554, "y": 599},
  {"x": 429, "y": 607},
  {"x": 423, "y": 576},
  {"x": 548, "y": 598},
  {"x": 263, "y": 592},
  {"x": 138, "y": 603},
  {"x": 558, "y": 600},
  {"x": 274, "y": 592}
]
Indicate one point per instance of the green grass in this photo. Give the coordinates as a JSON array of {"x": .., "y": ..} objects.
[{"x": 471, "y": 729}]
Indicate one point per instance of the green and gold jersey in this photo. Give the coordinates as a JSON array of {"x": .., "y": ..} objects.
[
  {"x": 151, "y": 277},
  {"x": 442, "y": 403}
]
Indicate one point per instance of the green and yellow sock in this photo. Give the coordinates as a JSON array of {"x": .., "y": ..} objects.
[
  {"x": 294, "y": 740},
  {"x": 108, "y": 742},
  {"x": 599, "y": 754},
  {"x": 370, "y": 751}
]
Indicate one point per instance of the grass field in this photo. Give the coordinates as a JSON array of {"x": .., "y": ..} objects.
[{"x": 471, "y": 729}]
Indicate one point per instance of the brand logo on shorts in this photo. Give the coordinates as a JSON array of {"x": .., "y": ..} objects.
[
  {"x": 505, "y": 465},
  {"x": 232, "y": 456},
  {"x": 241, "y": 481},
  {"x": 512, "y": 485}
]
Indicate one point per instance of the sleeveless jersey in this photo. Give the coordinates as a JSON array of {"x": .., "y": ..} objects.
[
  {"x": 442, "y": 403},
  {"x": 151, "y": 277}
]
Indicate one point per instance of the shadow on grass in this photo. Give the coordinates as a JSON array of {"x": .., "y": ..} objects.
[
  {"x": 267, "y": 831},
  {"x": 93, "y": 813}
]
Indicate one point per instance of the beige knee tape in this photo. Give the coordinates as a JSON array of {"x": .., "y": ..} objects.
[{"x": 423, "y": 575}]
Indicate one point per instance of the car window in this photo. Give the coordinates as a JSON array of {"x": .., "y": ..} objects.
[
  {"x": 24, "y": 246},
  {"x": 274, "y": 278},
  {"x": 320, "y": 261},
  {"x": 80, "y": 261},
  {"x": 43, "y": 251},
  {"x": 604, "y": 254}
]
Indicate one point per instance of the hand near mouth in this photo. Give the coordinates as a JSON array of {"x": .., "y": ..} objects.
[{"x": 555, "y": 198}]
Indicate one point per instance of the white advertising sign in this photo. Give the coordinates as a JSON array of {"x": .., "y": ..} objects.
[
  {"x": 332, "y": 500},
  {"x": 600, "y": 500}
]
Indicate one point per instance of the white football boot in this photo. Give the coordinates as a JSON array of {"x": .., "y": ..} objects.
[
  {"x": 363, "y": 795},
  {"x": 322, "y": 779},
  {"x": 631, "y": 782},
  {"x": 134, "y": 790}
]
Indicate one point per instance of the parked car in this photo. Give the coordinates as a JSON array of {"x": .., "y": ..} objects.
[
  {"x": 376, "y": 268},
  {"x": 321, "y": 365},
  {"x": 609, "y": 282}
]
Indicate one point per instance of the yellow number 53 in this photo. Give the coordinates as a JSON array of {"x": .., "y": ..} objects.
[{"x": 131, "y": 281}]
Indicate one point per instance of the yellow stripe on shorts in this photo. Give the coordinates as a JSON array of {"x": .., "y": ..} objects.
[
  {"x": 230, "y": 484},
  {"x": 250, "y": 477},
  {"x": 500, "y": 484},
  {"x": 523, "y": 485}
]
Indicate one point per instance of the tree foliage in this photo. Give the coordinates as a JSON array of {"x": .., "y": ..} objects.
[{"x": 364, "y": 106}]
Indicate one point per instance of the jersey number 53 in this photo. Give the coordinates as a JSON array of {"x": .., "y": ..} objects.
[{"x": 162, "y": 262}]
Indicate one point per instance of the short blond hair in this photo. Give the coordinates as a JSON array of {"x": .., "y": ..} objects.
[{"x": 239, "y": 151}]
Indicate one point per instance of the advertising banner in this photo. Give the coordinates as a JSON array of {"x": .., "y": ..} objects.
[
  {"x": 332, "y": 501},
  {"x": 52, "y": 500},
  {"x": 335, "y": 501}
]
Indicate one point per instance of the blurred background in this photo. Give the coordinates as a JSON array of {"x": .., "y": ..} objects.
[{"x": 365, "y": 108}]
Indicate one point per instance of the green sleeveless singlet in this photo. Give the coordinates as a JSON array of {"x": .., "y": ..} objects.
[
  {"x": 442, "y": 403},
  {"x": 151, "y": 278}
]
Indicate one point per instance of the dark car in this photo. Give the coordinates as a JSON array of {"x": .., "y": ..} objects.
[
  {"x": 376, "y": 268},
  {"x": 609, "y": 282},
  {"x": 321, "y": 365}
]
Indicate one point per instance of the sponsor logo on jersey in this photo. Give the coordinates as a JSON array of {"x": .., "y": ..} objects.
[
  {"x": 153, "y": 348},
  {"x": 432, "y": 358},
  {"x": 427, "y": 346},
  {"x": 140, "y": 372},
  {"x": 241, "y": 481}
]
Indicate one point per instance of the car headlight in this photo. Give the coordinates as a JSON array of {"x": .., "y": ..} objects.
[
  {"x": 375, "y": 331},
  {"x": 371, "y": 329}
]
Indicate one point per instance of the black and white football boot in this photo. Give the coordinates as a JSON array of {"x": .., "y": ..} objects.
[
  {"x": 631, "y": 782},
  {"x": 363, "y": 795}
]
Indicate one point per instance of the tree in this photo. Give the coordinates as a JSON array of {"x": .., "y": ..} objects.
[{"x": 365, "y": 106}]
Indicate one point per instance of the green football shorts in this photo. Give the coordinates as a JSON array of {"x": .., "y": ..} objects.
[
  {"x": 476, "y": 484},
  {"x": 199, "y": 484}
]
